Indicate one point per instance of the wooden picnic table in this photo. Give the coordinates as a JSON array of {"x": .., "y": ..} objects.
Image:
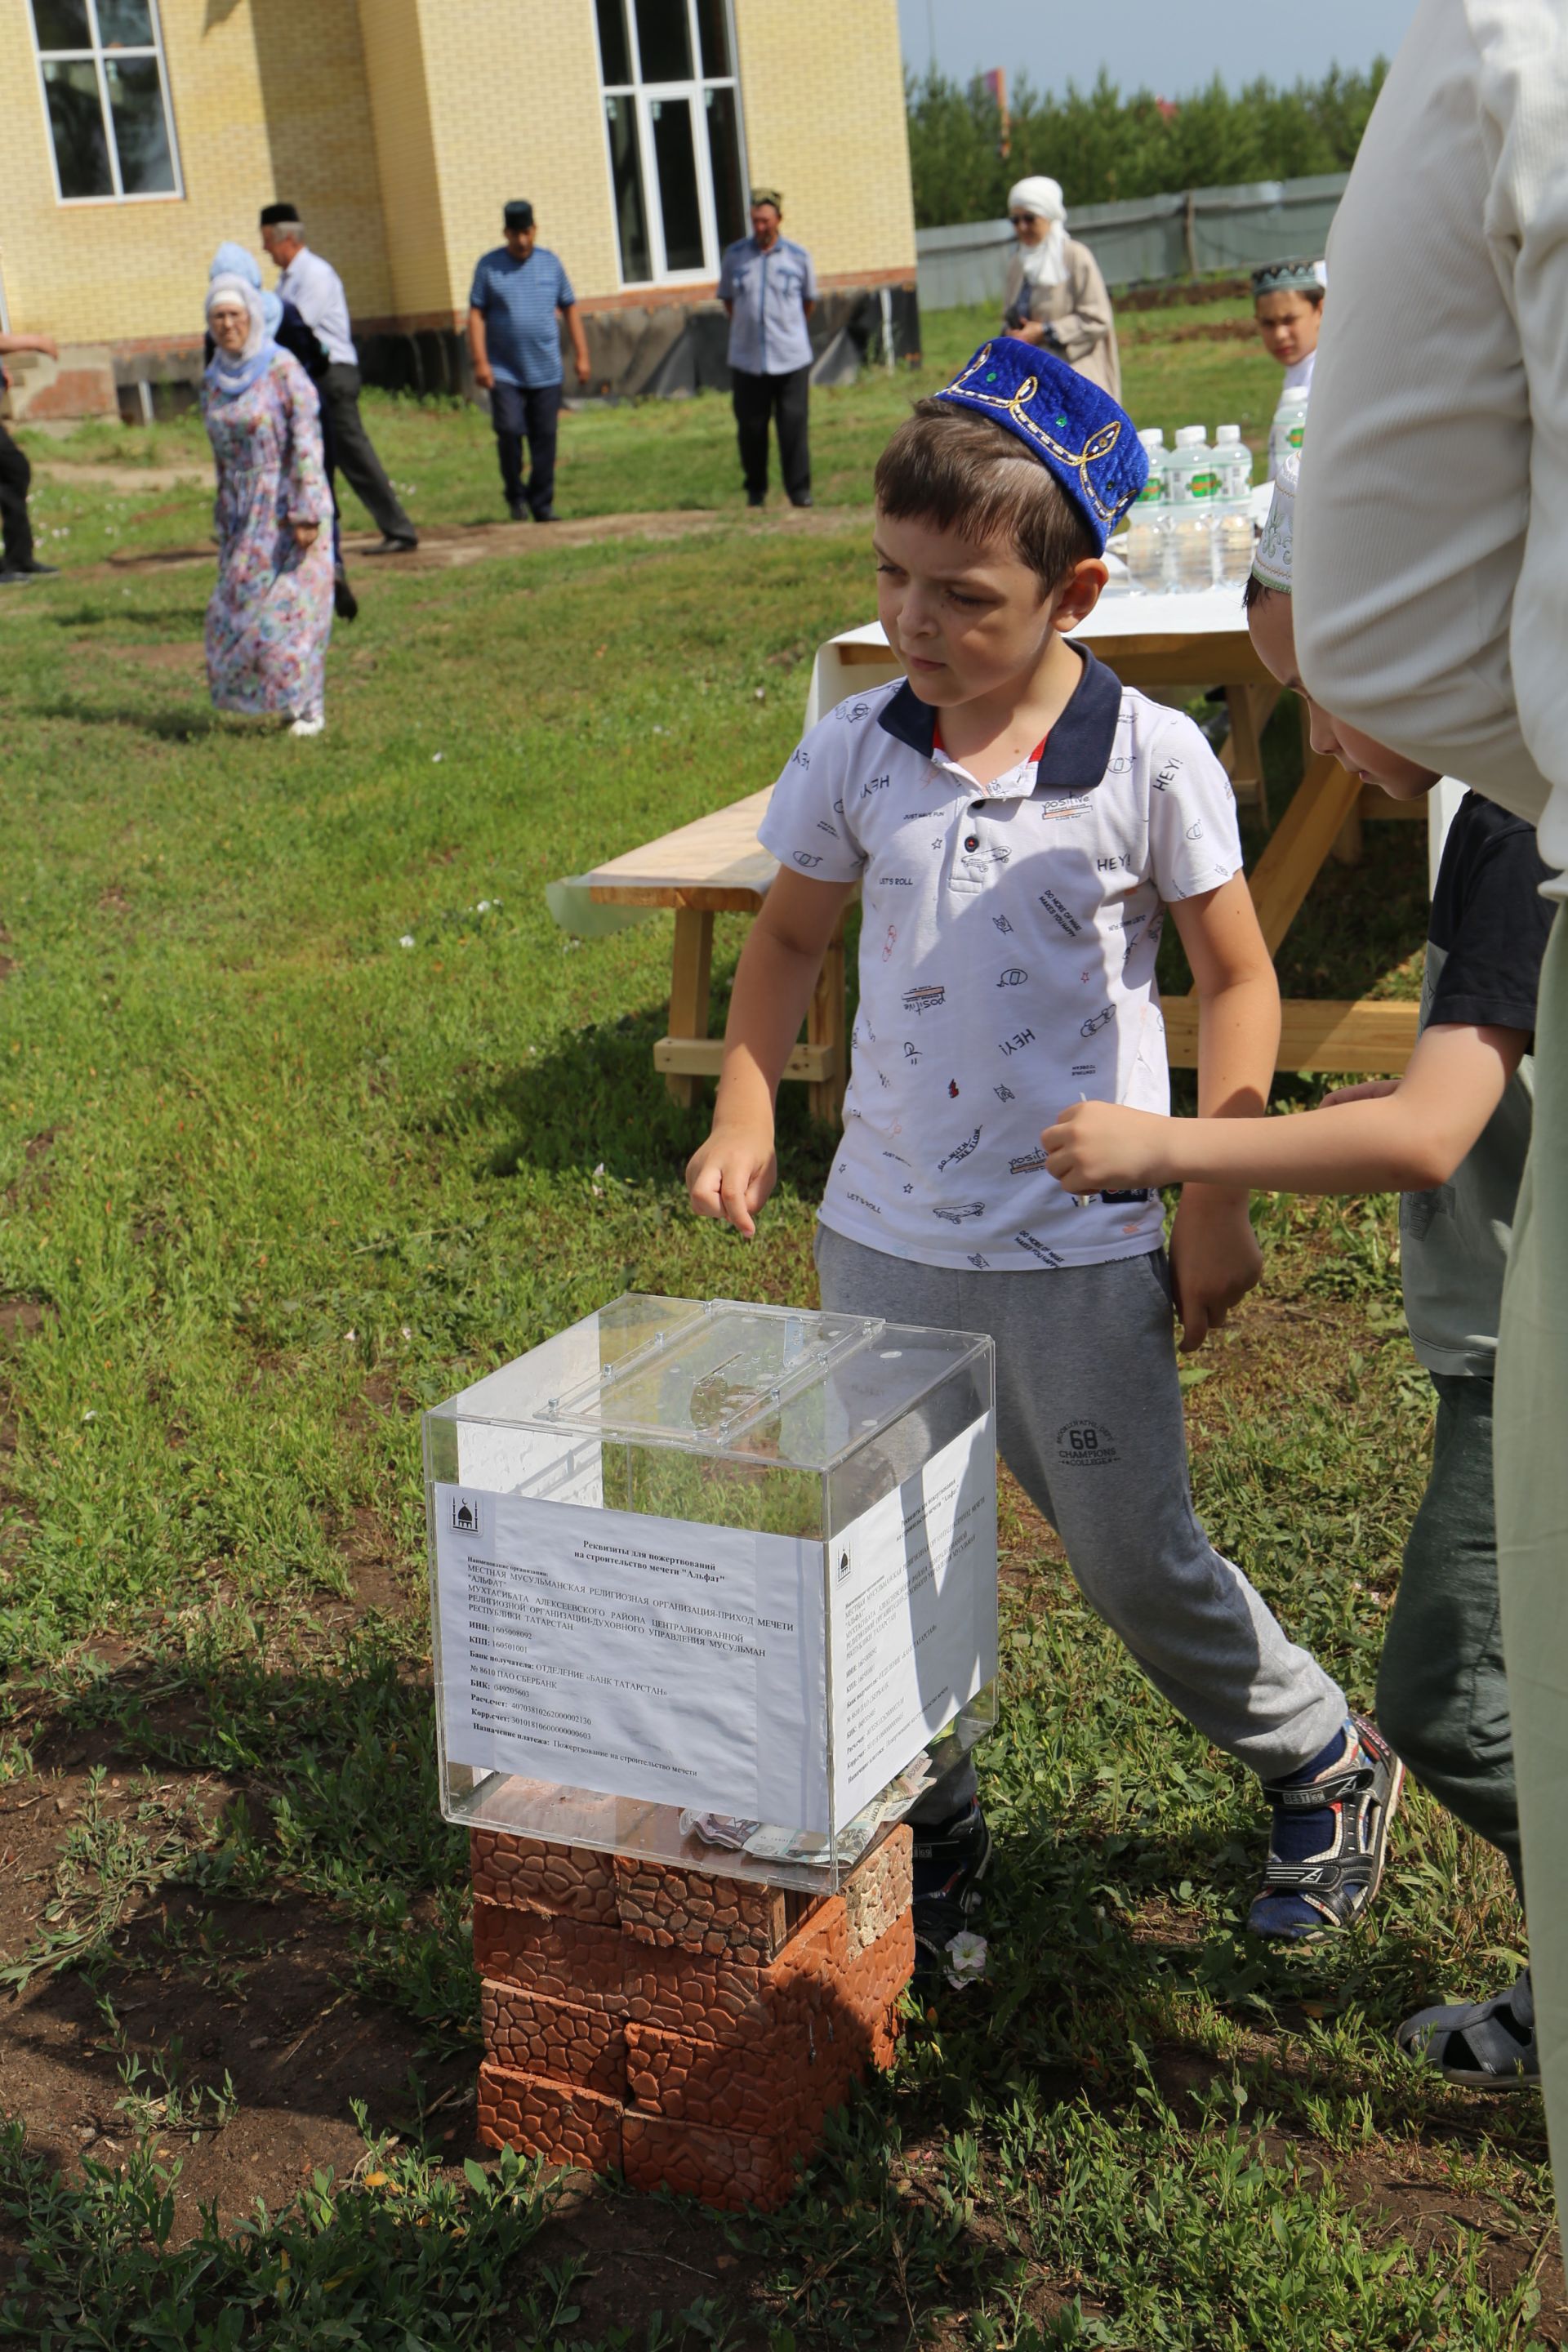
[{"x": 1169, "y": 646}]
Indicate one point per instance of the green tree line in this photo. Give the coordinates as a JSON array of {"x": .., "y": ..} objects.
[{"x": 1104, "y": 146}]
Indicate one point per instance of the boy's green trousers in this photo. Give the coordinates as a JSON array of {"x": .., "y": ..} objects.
[
  {"x": 1442, "y": 1693},
  {"x": 1532, "y": 1447}
]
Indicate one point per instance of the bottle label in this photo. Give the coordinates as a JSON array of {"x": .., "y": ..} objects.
[
  {"x": 1203, "y": 486},
  {"x": 1152, "y": 491}
]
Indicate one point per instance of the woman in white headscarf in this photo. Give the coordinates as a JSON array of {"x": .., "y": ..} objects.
[
  {"x": 1055, "y": 293},
  {"x": 272, "y": 613}
]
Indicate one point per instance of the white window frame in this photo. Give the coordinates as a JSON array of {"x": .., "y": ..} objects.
[
  {"x": 95, "y": 57},
  {"x": 644, "y": 95}
]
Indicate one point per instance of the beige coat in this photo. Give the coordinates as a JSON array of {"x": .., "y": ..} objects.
[{"x": 1079, "y": 310}]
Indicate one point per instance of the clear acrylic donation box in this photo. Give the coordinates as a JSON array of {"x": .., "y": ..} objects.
[{"x": 714, "y": 1583}]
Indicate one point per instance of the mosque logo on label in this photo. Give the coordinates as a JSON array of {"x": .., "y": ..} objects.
[{"x": 466, "y": 1515}]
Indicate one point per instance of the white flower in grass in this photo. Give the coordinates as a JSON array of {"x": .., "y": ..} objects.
[
  {"x": 435, "y": 757},
  {"x": 406, "y": 941},
  {"x": 966, "y": 1960},
  {"x": 407, "y": 1331}
]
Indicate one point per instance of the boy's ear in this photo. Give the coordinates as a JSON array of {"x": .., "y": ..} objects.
[{"x": 1078, "y": 594}]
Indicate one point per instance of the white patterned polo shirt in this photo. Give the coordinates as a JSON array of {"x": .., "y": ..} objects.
[{"x": 1007, "y": 949}]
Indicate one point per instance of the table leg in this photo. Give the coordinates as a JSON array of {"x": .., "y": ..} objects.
[
  {"x": 1250, "y": 707},
  {"x": 1300, "y": 843},
  {"x": 824, "y": 1022},
  {"x": 689, "y": 983},
  {"x": 1347, "y": 843}
]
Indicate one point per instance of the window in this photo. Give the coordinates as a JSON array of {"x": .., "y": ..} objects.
[
  {"x": 672, "y": 117},
  {"x": 106, "y": 94}
]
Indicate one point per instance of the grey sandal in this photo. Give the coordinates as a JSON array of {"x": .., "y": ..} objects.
[{"x": 1486, "y": 2045}]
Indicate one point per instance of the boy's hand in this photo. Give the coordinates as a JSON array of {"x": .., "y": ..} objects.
[
  {"x": 1100, "y": 1147},
  {"x": 732, "y": 1174},
  {"x": 1215, "y": 1260}
]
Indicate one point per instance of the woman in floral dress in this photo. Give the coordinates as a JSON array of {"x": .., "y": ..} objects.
[{"x": 271, "y": 611}]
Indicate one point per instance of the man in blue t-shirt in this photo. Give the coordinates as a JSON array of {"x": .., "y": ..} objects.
[
  {"x": 520, "y": 290},
  {"x": 768, "y": 287}
]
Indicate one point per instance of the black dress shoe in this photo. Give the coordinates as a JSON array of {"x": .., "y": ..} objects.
[
  {"x": 519, "y": 509},
  {"x": 807, "y": 501},
  {"x": 549, "y": 515},
  {"x": 390, "y": 546},
  {"x": 33, "y": 570},
  {"x": 345, "y": 604}
]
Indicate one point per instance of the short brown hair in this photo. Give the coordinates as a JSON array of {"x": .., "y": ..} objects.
[{"x": 947, "y": 465}]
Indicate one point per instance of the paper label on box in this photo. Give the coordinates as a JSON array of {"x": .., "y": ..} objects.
[
  {"x": 912, "y": 1592},
  {"x": 637, "y": 1655}
]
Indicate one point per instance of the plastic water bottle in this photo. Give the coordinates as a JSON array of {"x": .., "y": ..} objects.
[
  {"x": 1192, "y": 487},
  {"x": 1233, "y": 516},
  {"x": 1148, "y": 524},
  {"x": 1288, "y": 430}
]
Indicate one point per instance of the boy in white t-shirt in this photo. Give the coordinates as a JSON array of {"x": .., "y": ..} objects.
[{"x": 1018, "y": 825}]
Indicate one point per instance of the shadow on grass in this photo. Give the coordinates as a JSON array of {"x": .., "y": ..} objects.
[
  {"x": 597, "y": 1095},
  {"x": 173, "y": 725}
]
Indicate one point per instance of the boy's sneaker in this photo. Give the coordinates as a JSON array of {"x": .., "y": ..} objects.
[
  {"x": 1487, "y": 2045},
  {"x": 1330, "y": 1837},
  {"x": 951, "y": 1859}
]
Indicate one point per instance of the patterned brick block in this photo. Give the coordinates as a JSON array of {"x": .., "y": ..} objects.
[
  {"x": 729, "y": 2169},
  {"x": 709, "y": 2000},
  {"x": 780, "y": 2083},
  {"x": 561, "y": 1958},
  {"x": 525, "y": 1872},
  {"x": 880, "y": 1889},
  {"x": 565, "y": 2124},
  {"x": 565, "y": 2041},
  {"x": 727, "y": 1918},
  {"x": 872, "y": 1986}
]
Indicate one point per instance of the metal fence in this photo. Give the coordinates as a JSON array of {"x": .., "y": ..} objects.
[{"x": 1149, "y": 238}]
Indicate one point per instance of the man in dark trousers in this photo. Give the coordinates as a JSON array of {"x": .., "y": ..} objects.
[
  {"x": 316, "y": 291},
  {"x": 520, "y": 290},
  {"x": 20, "y": 562},
  {"x": 768, "y": 288}
]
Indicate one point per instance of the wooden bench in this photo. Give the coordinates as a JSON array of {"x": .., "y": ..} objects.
[{"x": 716, "y": 865}]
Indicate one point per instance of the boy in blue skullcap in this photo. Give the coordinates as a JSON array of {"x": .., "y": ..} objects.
[{"x": 1018, "y": 824}]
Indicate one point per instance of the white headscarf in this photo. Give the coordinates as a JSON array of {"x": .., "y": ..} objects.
[
  {"x": 1044, "y": 264},
  {"x": 233, "y": 375}
]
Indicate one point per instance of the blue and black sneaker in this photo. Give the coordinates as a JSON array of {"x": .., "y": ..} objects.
[
  {"x": 1330, "y": 1837},
  {"x": 951, "y": 1859}
]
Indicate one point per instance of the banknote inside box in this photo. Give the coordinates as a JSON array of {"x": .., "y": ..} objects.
[{"x": 714, "y": 1582}]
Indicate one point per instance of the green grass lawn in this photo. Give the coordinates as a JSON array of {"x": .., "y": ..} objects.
[{"x": 308, "y": 1116}]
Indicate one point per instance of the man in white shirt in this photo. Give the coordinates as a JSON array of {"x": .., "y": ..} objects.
[
  {"x": 1431, "y": 609},
  {"x": 316, "y": 291}
]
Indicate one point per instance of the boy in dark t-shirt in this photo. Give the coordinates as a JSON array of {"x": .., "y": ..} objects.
[{"x": 1451, "y": 1135}]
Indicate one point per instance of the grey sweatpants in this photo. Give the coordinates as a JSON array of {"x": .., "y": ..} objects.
[{"x": 1089, "y": 1419}]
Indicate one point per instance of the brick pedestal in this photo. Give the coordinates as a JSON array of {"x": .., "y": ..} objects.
[{"x": 690, "y": 2030}]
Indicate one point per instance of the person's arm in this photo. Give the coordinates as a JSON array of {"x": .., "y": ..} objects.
[
  {"x": 1404, "y": 1138},
  {"x": 734, "y": 1171},
  {"x": 478, "y": 351},
  {"x": 1429, "y": 581},
  {"x": 307, "y": 500},
  {"x": 1215, "y": 1256},
  {"x": 10, "y": 344},
  {"x": 808, "y": 287},
  {"x": 579, "y": 342},
  {"x": 1090, "y": 321}
]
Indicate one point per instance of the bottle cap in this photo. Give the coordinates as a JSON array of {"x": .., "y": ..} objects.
[
  {"x": 1189, "y": 436},
  {"x": 1227, "y": 433},
  {"x": 1153, "y": 437}
]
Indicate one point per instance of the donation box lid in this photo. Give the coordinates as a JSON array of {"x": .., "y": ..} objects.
[{"x": 722, "y": 1377}]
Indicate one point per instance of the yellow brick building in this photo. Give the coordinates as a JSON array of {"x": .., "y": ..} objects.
[{"x": 139, "y": 133}]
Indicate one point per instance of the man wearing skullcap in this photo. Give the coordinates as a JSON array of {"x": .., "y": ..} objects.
[
  {"x": 519, "y": 294},
  {"x": 316, "y": 290},
  {"x": 768, "y": 287},
  {"x": 1055, "y": 294},
  {"x": 1432, "y": 610}
]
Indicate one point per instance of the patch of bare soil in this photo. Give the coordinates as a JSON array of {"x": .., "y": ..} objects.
[
  {"x": 130, "y": 481},
  {"x": 444, "y": 547}
]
